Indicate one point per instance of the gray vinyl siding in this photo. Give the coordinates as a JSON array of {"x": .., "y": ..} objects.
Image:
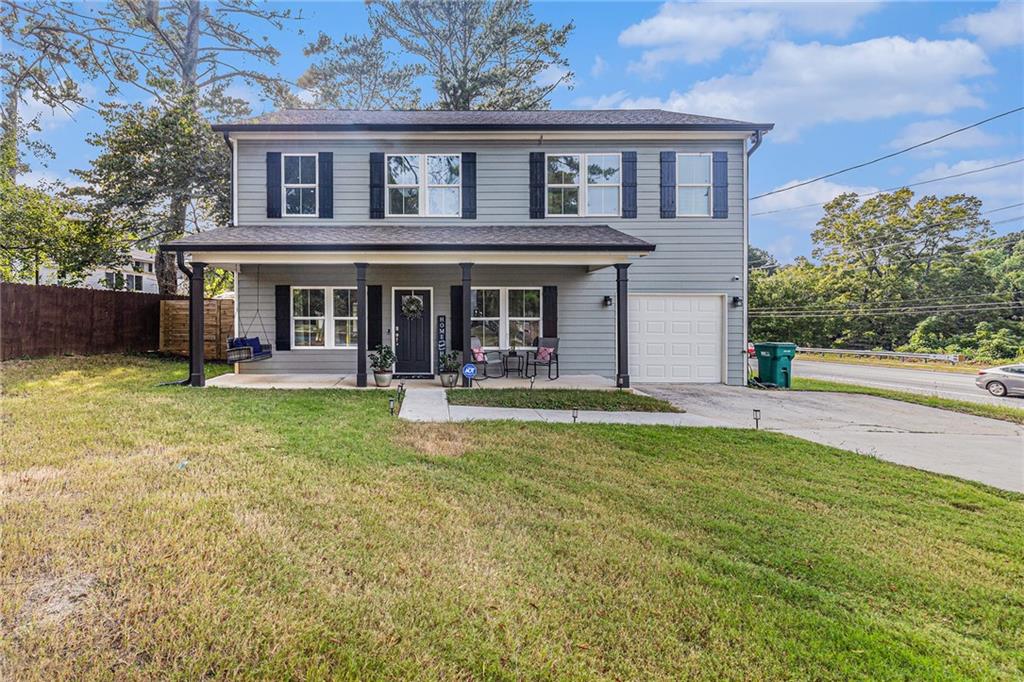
[{"x": 694, "y": 255}]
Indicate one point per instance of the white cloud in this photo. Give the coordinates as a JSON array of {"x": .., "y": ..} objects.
[
  {"x": 53, "y": 118},
  {"x": 1001, "y": 26},
  {"x": 800, "y": 208},
  {"x": 800, "y": 85},
  {"x": 697, "y": 32},
  {"x": 925, "y": 130},
  {"x": 599, "y": 66},
  {"x": 551, "y": 75},
  {"x": 995, "y": 187}
]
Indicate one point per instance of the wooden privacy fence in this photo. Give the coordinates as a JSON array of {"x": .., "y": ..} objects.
[
  {"x": 218, "y": 327},
  {"x": 37, "y": 321}
]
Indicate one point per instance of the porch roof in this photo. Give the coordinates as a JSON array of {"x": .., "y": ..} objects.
[{"x": 407, "y": 238}]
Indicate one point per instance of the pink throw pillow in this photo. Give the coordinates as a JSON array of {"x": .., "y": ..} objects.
[
  {"x": 543, "y": 354},
  {"x": 479, "y": 355}
]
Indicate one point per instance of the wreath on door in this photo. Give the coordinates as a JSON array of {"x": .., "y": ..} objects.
[{"x": 412, "y": 307}]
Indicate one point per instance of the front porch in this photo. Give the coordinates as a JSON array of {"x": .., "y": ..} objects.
[{"x": 590, "y": 382}]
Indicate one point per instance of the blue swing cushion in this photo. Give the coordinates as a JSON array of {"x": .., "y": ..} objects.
[{"x": 245, "y": 349}]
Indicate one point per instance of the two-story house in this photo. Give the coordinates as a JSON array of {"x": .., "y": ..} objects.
[{"x": 622, "y": 233}]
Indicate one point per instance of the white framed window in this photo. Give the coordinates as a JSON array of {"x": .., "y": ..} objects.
[
  {"x": 299, "y": 184},
  {"x": 485, "y": 320},
  {"x": 324, "y": 317},
  {"x": 344, "y": 313},
  {"x": 694, "y": 197},
  {"x": 501, "y": 315},
  {"x": 423, "y": 184},
  {"x": 583, "y": 184},
  {"x": 133, "y": 282}
]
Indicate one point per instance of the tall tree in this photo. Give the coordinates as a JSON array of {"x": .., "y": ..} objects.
[
  {"x": 357, "y": 72},
  {"x": 480, "y": 54},
  {"x": 185, "y": 54},
  {"x": 162, "y": 172}
]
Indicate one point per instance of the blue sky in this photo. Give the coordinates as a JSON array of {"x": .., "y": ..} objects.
[{"x": 843, "y": 82}]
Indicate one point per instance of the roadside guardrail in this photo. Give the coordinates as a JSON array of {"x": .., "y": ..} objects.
[{"x": 943, "y": 357}]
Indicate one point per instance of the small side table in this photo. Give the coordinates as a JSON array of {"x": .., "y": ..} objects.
[{"x": 515, "y": 363}]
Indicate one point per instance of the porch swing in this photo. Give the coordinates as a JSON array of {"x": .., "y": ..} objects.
[{"x": 245, "y": 348}]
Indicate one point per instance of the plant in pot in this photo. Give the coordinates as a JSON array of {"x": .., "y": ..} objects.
[
  {"x": 513, "y": 344},
  {"x": 382, "y": 360},
  {"x": 449, "y": 369}
]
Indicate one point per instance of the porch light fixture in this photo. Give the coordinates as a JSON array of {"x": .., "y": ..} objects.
[
  {"x": 757, "y": 420},
  {"x": 737, "y": 301},
  {"x": 575, "y": 414},
  {"x": 608, "y": 301}
]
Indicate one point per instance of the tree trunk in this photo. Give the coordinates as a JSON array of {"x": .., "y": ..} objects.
[
  {"x": 10, "y": 131},
  {"x": 164, "y": 264}
]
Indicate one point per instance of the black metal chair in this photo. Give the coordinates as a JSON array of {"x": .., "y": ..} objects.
[
  {"x": 534, "y": 358},
  {"x": 491, "y": 367}
]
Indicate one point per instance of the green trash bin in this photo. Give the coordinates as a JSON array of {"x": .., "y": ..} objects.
[{"x": 774, "y": 360}]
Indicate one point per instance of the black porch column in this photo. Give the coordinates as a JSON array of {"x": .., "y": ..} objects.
[
  {"x": 196, "y": 323},
  {"x": 467, "y": 315},
  {"x": 621, "y": 312},
  {"x": 361, "y": 311}
]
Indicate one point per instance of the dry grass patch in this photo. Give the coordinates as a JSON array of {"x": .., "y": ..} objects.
[{"x": 434, "y": 440}]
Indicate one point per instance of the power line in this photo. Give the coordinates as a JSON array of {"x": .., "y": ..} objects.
[
  {"x": 891, "y": 313},
  {"x": 893, "y": 189},
  {"x": 984, "y": 246},
  {"x": 881, "y": 305},
  {"x": 887, "y": 156}
]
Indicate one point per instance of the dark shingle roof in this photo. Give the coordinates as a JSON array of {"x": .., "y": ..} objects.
[
  {"x": 337, "y": 119},
  {"x": 411, "y": 238}
]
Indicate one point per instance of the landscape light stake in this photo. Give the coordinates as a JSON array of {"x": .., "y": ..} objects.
[
  {"x": 532, "y": 379},
  {"x": 575, "y": 414},
  {"x": 757, "y": 420},
  {"x": 391, "y": 406}
]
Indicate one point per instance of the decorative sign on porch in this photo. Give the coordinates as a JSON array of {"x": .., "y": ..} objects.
[{"x": 442, "y": 336}]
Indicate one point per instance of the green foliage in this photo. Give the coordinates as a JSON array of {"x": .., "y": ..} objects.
[
  {"x": 450, "y": 361},
  {"x": 382, "y": 359},
  {"x": 895, "y": 273},
  {"x": 480, "y": 54}
]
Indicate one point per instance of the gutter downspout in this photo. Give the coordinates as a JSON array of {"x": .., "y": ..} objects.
[{"x": 758, "y": 139}]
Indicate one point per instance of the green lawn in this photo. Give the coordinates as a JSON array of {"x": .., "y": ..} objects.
[
  {"x": 963, "y": 367},
  {"x": 1004, "y": 412},
  {"x": 154, "y": 533},
  {"x": 559, "y": 399}
]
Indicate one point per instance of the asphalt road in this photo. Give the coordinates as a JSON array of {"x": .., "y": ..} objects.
[{"x": 944, "y": 384}]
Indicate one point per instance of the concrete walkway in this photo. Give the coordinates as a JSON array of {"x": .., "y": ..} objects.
[{"x": 431, "y": 405}]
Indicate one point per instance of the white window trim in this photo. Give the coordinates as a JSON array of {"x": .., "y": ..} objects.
[
  {"x": 328, "y": 318},
  {"x": 423, "y": 186},
  {"x": 582, "y": 185},
  {"x": 504, "y": 317},
  {"x": 315, "y": 187},
  {"x": 709, "y": 184}
]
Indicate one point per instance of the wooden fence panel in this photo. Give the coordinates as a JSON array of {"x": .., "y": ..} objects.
[
  {"x": 218, "y": 327},
  {"x": 37, "y": 321}
]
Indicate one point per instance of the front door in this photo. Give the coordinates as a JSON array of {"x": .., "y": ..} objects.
[{"x": 412, "y": 331}]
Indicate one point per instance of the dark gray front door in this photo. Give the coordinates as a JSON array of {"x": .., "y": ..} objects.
[{"x": 412, "y": 329}]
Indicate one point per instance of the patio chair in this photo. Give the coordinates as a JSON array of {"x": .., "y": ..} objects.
[
  {"x": 546, "y": 355},
  {"x": 491, "y": 367}
]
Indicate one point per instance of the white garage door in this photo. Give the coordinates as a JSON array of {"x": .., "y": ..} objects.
[{"x": 675, "y": 338}]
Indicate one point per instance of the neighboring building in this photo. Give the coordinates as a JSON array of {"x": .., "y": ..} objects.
[
  {"x": 136, "y": 275},
  {"x": 511, "y": 225}
]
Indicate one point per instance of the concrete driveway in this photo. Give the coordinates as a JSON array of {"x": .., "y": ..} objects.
[{"x": 985, "y": 450}]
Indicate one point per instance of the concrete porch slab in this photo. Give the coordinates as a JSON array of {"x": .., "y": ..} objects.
[
  {"x": 284, "y": 381},
  {"x": 591, "y": 382}
]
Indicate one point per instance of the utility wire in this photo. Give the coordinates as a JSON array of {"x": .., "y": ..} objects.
[
  {"x": 890, "y": 309},
  {"x": 932, "y": 300},
  {"x": 909, "y": 312},
  {"x": 899, "y": 187},
  {"x": 888, "y": 156}
]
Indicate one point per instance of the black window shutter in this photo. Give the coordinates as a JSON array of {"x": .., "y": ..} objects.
[
  {"x": 374, "y": 315},
  {"x": 376, "y": 185},
  {"x": 455, "y": 327},
  {"x": 469, "y": 184},
  {"x": 536, "y": 184},
  {"x": 549, "y": 303},
  {"x": 283, "y": 317},
  {"x": 629, "y": 184},
  {"x": 668, "y": 184},
  {"x": 325, "y": 183},
  {"x": 720, "y": 184},
  {"x": 273, "y": 184}
]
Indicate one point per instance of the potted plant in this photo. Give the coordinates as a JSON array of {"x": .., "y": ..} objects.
[
  {"x": 448, "y": 371},
  {"x": 513, "y": 343},
  {"x": 382, "y": 360}
]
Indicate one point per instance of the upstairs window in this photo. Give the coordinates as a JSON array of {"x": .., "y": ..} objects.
[
  {"x": 424, "y": 184},
  {"x": 584, "y": 184},
  {"x": 693, "y": 185},
  {"x": 300, "y": 181}
]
